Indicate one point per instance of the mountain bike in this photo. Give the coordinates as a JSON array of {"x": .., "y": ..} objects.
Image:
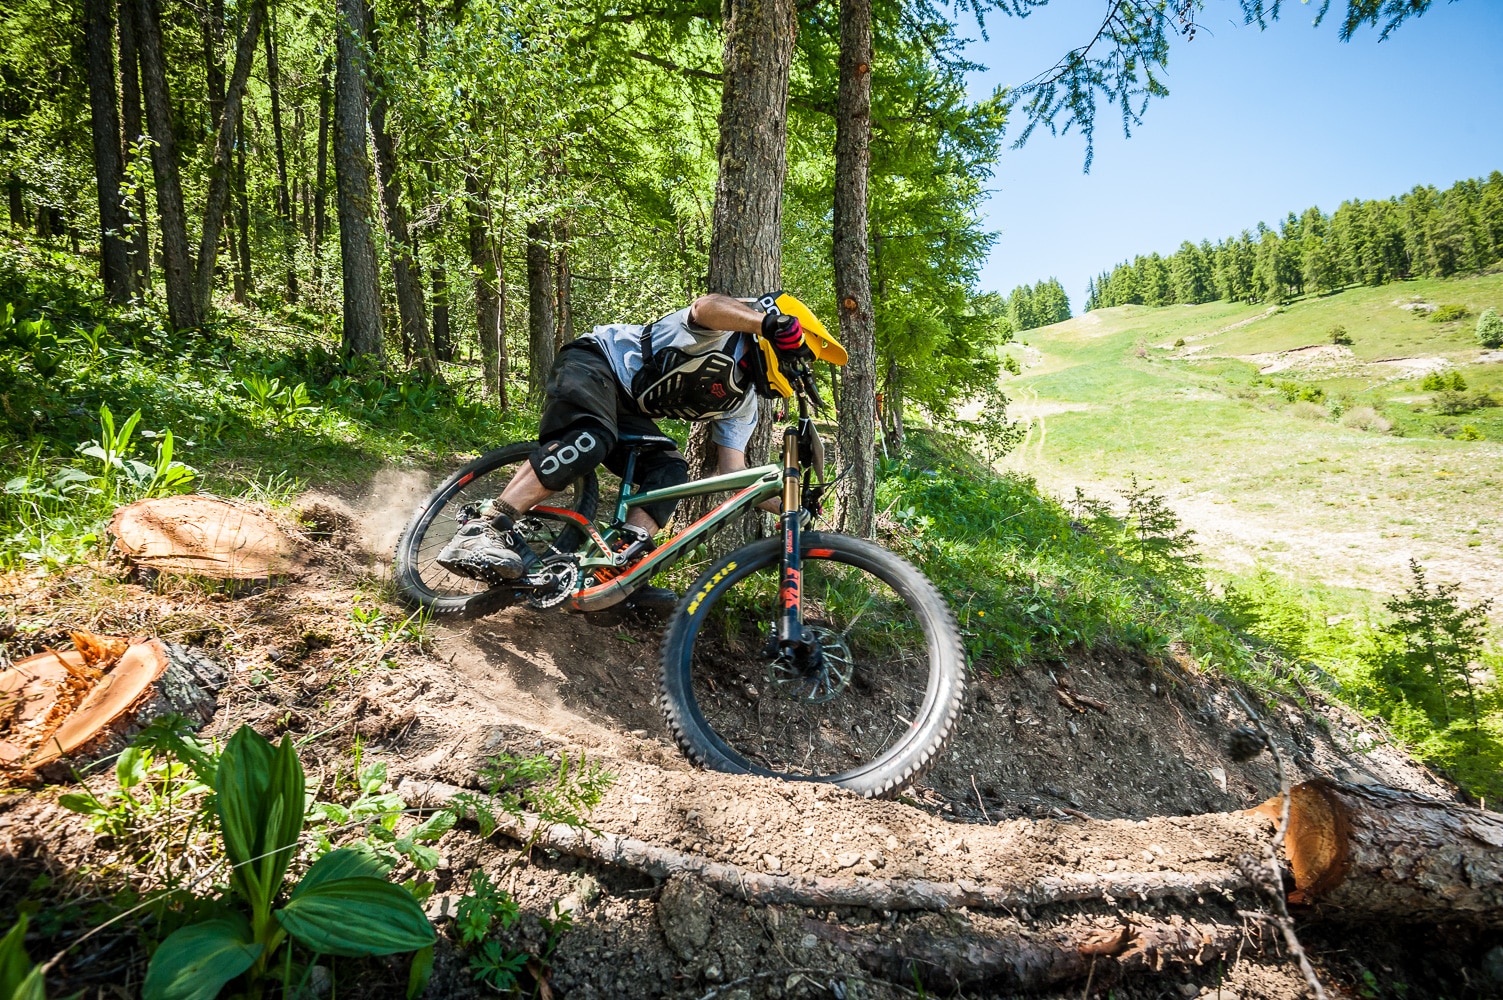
[{"x": 812, "y": 655}]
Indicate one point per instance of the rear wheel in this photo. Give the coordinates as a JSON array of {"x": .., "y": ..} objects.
[
  {"x": 464, "y": 495},
  {"x": 868, "y": 711}
]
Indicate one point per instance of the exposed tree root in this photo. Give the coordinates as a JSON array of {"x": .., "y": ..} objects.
[{"x": 877, "y": 894}]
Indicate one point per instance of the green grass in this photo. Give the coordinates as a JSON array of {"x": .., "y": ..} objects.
[
  {"x": 229, "y": 395},
  {"x": 1111, "y": 396}
]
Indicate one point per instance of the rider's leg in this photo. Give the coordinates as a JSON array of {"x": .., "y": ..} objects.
[{"x": 577, "y": 430}]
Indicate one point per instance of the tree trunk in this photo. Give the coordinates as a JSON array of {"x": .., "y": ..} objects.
[
  {"x": 216, "y": 200},
  {"x": 540, "y": 292},
  {"x": 320, "y": 181},
  {"x": 246, "y": 283},
  {"x": 177, "y": 266},
  {"x": 17, "y": 207},
  {"x": 1369, "y": 852},
  {"x": 130, "y": 106},
  {"x": 443, "y": 339},
  {"x": 746, "y": 238},
  {"x": 404, "y": 268},
  {"x": 284, "y": 197},
  {"x": 114, "y": 256},
  {"x": 563, "y": 279},
  {"x": 352, "y": 178},
  {"x": 213, "y": 32},
  {"x": 490, "y": 312},
  {"x": 857, "y": 398}
]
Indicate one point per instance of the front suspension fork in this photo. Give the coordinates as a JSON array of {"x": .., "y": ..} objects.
[{"x": 791, "y": 617}]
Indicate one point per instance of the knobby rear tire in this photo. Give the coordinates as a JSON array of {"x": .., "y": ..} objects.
[
  {"x": 910, "y": 754},
  {"x": 407, "y": 565}
]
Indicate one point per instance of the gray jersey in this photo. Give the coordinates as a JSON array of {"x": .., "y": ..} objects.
[{"x": 682, "y": 350}]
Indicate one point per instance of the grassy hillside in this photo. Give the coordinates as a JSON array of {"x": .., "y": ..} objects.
[{"x": 1196, "y": 401}]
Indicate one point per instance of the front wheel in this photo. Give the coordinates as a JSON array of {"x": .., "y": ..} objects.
[{"x": 869, "y": 710}]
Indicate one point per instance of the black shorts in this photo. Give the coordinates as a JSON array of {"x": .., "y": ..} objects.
[{"x": 582, "y": 396}]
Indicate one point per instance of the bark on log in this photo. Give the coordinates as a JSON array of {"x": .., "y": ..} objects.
[
  {"x": 799, "y": 890},
  {"x": 1370, "y": 852},
  {"x": 997, "y": 954}
]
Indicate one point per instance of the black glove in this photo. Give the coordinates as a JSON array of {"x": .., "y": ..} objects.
[{"x": 786, "y": 335}]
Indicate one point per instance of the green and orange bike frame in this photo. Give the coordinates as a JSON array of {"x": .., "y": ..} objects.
[{"x": 798, "y": 480}]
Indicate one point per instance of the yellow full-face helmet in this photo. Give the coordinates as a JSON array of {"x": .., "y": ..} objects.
[{"x": 816, "y": 338}]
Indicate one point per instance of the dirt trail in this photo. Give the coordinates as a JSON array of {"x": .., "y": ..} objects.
[{"x": 1006, "y": 805}]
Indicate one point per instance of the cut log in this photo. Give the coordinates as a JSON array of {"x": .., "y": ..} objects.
[
  {"x": 737, "y": 882},
  {"x": 205, "y": 536},
  {"x": 64, "y": 709},
  {"x": 1370, "y": 852}
]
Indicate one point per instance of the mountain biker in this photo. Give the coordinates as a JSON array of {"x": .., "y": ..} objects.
[{"x": 707, "y": 361}]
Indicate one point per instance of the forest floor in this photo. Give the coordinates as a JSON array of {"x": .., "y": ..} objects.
[
  {"x": 1191, "y": 400},
  {"x": 1030, "y": 789}
]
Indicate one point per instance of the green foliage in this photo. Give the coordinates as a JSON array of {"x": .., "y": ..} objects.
[
  {"x": 342, "y": 905},
  {"x": 561, "y": 791},
  {"x": 1340, "y": 337},
  {"x": 1424, "y": 233},
  {"x": 1041, "y": 304},
  {"x": 1294, "y": 392},
  {"x": 1445, "y": 380},
  {"x": 1012, "y": 365},
  {"x": 1029, "y": 578},
  {"x": 19, "y": 978},
  {"x": 1490, "y": 329}
]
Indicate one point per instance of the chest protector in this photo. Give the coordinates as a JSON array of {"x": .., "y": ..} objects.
[{"x": 675, "y": 383}]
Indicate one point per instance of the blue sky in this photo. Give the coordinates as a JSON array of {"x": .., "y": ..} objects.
[{"x": 1256, "y": 123}]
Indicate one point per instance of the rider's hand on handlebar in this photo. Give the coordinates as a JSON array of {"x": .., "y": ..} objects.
[{"x": 786, "y": 334}]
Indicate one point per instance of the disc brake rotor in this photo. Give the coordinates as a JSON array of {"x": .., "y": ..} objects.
[{"x": 817, "y": 682}]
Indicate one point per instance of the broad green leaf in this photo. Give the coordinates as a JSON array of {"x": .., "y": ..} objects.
[
  {"x": 357, "y": 916},
  {"x": 418, "y": 974},
  {"x": 15, "y": 964},
  {"x": 433, "y": 827},
  {"x": 195, "y": 962},
  {"x": 130, "y": 767},
  {"x": 346, "y": 862},
  {"x": 79, "y": 803},
  {"x": 260, "y": 805}
]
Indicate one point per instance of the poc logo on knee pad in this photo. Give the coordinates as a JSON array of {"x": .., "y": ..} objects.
[{"x": 582, "y": 446}]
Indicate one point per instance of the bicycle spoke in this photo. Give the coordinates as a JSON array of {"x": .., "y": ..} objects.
[{"x": 813, "y": 720}]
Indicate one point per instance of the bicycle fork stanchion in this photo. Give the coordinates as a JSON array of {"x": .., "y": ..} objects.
[{"x": 791, "y": 621}]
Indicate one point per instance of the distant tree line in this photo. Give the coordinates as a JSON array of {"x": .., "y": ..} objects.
[
  {"x": 1426, "y": 233},
  {"x": 1035, "y": 305}
]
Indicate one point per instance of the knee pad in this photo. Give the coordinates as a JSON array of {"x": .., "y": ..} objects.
[
  {"x": 569, "y": 454},
  {"x": 664, "y": 468}
]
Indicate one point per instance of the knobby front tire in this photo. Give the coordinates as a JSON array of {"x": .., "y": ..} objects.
[
  {"x": 423, "y": 583},
  {"x": 871, "y": 718}
]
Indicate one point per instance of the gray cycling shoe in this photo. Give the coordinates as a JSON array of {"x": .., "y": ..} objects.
[{"x": 480, "y": 552}]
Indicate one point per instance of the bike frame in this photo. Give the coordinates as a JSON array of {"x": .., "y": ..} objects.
[{"x": 751, "y": 486}]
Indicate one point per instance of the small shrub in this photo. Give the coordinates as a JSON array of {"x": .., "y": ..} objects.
[
  {"x": 1340, "y": 405},
  {"x": 1365, "y": 418},
  {"x": 1444, "y": 380},
  {"x": 1312, "y": 394},
  {"x": 1448, "y": 314},
  {"x": 1306, "y": 410},
  {"x": 1469, "y": 432},
  {"x": 1490, "y": 329},
  {"x": 1340, "y": 337},
  {"x": 1451, "y": 402},
  {"x": 1179, "y": 342},
  {"x": 1011, "y": 364},
  {"x": 1289, "y": 390}
]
